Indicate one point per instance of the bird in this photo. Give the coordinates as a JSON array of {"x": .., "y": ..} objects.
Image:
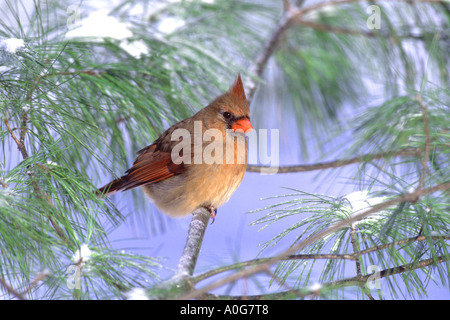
[{"x": 181, "y": 175}]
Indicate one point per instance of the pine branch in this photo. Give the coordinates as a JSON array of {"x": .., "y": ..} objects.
[
  {"x": 410, "y": 197},
  {"x": 359, "y": 281},
  {"x": 293, "y": 13},
  {"x": 41, "y": 195},
  {"x": 427, "y": 141},
  {"x": 327, "y": 256}
]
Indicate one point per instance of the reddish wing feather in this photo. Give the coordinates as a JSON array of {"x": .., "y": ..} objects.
[{"x": 151, "y": 166}]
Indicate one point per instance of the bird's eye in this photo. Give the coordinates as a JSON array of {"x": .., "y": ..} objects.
[{"x": 227, "y": 115}]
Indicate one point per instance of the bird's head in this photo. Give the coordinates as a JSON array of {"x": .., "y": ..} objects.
[{"x": 231, "y": 109}]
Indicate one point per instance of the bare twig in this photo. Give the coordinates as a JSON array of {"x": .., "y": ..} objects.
[
  {"x": 355, "y": 247},
  {"x": 40, "y": 277},
  {"x": 427, "y": 141},
  {"x": 286, "y": 5},
  {"x": 334, "y": 29},
  {"x": 257, "y": 69},
  {"x": 96, "y": 73},
  {"x": 359, "y": 32},
  {"x": 415, "y": 152},
  {"x": 357, "y": 262},
  {"x": 20, "y": 144},
  {"x": 11, "y": 290},
  {"x": 321, "y": 5},
  {"x": 240, "y": 265},
  {"x": 291, "y": 13},
  {"x": 397, "y": 243}
]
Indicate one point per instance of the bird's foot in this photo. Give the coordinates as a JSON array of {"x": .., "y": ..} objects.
[{"x": 213, "y": 213}]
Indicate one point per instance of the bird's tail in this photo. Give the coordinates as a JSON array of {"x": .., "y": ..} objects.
[{"x": 112, "y": 187}]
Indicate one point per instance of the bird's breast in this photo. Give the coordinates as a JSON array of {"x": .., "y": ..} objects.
[{"x": 210, "y": 182}]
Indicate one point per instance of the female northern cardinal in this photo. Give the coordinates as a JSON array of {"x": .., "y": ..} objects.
[{"x": 178, "y": 188}]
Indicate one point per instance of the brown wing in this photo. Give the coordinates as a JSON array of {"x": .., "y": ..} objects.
[{"x": 152, "y": 165}]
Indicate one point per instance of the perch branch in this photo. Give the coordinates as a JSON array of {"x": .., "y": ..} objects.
[{"x": 197, "y": 227}]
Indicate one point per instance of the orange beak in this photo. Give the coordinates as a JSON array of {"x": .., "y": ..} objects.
[{"x": 242, "y": 124}]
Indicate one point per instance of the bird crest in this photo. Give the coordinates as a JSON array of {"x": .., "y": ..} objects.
[{"x": 237, "y": 89}]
